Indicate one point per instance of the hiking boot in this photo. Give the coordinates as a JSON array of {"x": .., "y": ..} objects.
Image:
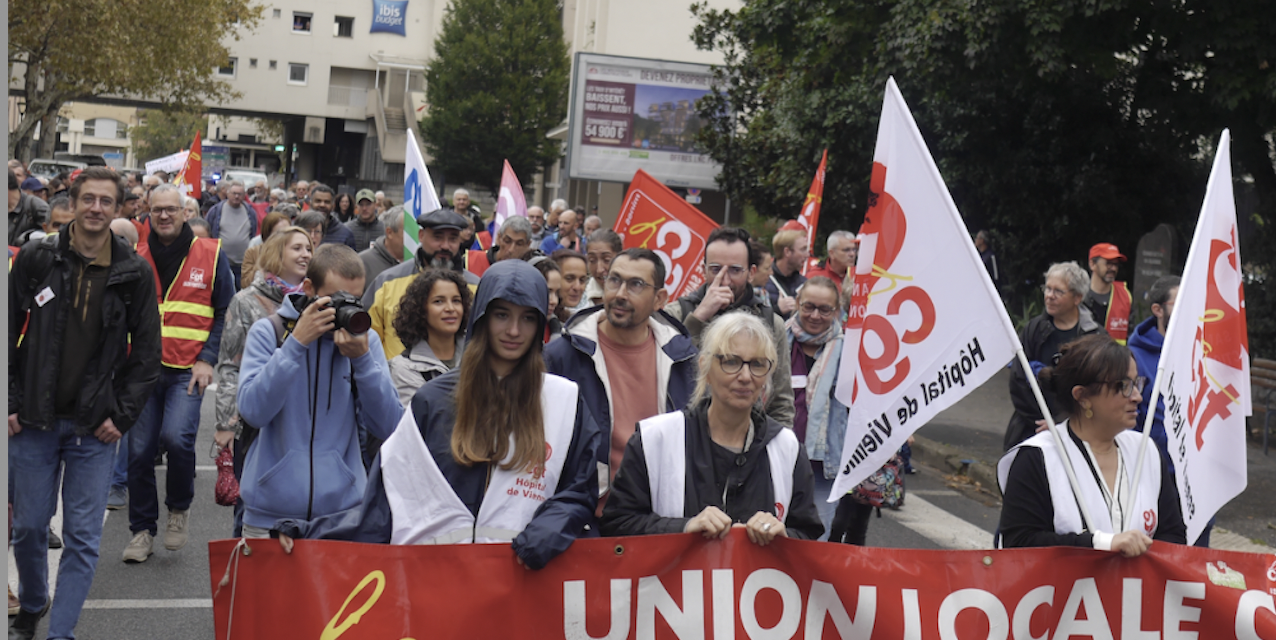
[
  {"x": 55, "y": 541},
  {"x": 14, "y": 605},
  {"x": 177, "y": 532},
  {"x": 24, "y": 623},
  {"x": 117, "y": 499},
  {"x": 139, "y": 548}
]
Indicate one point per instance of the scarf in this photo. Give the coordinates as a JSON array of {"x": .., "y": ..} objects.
[
  {"x": 799, "y": 335},
  {"x": 168, "y": 258},
  {"x": 278, "y": 283}
]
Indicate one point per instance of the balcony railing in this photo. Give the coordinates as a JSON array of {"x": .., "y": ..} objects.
[{"x": 347, "y": 96}]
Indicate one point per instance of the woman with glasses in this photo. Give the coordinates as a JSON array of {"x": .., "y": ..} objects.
[
  {"x": 1097, "y": 383},
  {"x": 1064, "y": 320},
  {"x": 720, "y": 463}
]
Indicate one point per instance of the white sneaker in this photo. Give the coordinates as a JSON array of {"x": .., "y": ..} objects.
[
  {"x": 177, "y": 532},
  {"x": 139, "y": 548}
]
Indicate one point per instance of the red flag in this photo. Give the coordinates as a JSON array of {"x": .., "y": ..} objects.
[
  {"x": 809, "y": 218},
  {"x": 654, "y": 217},
  {"x": 510, "y": 201},
  {"x": 192, "y": 171}
]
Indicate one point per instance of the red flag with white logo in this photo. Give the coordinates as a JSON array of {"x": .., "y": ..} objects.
[
  {"x": 809, "y": 218},
  {"x": 1204, "y": 370},
  {"x": 190, "y": 178},
  {"x": 510, "y": 201},
  {"x": 926, "y": 326},
  {"x": 654, "y": 217}
]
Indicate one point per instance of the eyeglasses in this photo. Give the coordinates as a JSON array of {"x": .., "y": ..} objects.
[
  {"x": 821, "y": 310},
  {"x": 734, "y": 270},
  {"x": 1127, "y": 387},
  {"x": 636, "y": 286},
  {"x": 1051, "y": 291},
  {"x": 165, "y": 211},
  {"x": 88, "y": 200},
  {"x": 731, "y": 365}
]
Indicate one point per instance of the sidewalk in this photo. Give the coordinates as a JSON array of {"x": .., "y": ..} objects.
[{"x": 967, "y": 439}]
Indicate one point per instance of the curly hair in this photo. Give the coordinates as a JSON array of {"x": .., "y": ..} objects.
[{"x": 411, "y": 323}]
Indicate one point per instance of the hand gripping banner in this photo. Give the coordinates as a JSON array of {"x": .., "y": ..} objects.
[{"x": 684, "y": 587}]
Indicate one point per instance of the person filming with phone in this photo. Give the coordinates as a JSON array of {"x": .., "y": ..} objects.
[{"x": 312, "y": 375}]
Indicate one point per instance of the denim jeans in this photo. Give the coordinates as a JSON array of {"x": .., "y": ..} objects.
[
  {"x": 38, "y": 460},
  {"x": 171, "y": 416},
  {"x": 119, "y": 473}
]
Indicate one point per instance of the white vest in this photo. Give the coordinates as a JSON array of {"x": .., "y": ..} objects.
[
  {"x": 1067, "y": 516},
  {"x": 426, "y": 510},
  {"x": 664, "y": 442}
]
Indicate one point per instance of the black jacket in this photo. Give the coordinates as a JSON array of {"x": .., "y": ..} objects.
[
  {"x": 120, "y": 376},
  {"x": 748, "y": 486},
  {"x": 1023, "y": 422}
]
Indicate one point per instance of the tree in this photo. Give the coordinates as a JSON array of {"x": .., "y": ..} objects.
[
  {"x": 496, "y": 86},
  {"x": 1056, "y": 124},
  {"x": 61, "y": 51},
  {"x": 162, "y": 132}
]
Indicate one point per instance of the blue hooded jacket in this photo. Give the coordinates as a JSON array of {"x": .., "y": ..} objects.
[
  {"x": 306, "y": 461},
  {"x": 1145, "y": 343},
  {"x": 558, "y": 521}
]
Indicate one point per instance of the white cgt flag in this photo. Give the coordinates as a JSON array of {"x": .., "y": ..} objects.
[
  {"x": 418, "y": 196},
  {"x": 1204, "y": 369},
  {"x": 926, "y": 325}
]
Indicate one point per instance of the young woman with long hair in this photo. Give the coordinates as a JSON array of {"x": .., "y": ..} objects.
[
  {"x": 495, "y": 451},
  {"x": 343, "y": 208},
  {"x": 430, "y": 322}
]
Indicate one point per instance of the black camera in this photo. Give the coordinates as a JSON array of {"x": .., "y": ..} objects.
[{"x": 350, "y": 314}]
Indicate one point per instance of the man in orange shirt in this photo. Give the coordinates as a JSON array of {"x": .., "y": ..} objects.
[{"x": 1108, "y": 300}]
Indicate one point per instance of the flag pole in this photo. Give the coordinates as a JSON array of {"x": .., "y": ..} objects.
[
  {"x": 1143, "y": 444},
  {"x": 1058, "y": 440}
]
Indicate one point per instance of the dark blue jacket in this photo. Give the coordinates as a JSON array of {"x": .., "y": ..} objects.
[
  {"x": 337, "y": 233},
  {"x": 1145, "y": 343},
  {"x": 557, "y": 522},
  {"x": 214, "y": 219},
  {"x": 577, "y": 358}
]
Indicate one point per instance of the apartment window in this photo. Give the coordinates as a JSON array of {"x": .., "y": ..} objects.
[
  {"x": 343, "y": 27},
  {"x": 229, "y": 68},
  {"x": 274, "y": 65},
  {"x": 279, "y": 13},
  {"x": 301, "y": 22},
  {"x": 298, "y": 73},
  {"x": 252, "y": 63}
]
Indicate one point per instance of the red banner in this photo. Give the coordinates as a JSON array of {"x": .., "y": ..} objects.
[
  {"x": 191, "y": 175},
  {"x": 654, "y": 217},
  {"x": 682, "y": 586},
  {"x": 809, "y": 217}
]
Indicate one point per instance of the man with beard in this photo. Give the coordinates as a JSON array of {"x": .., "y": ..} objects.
[
  {"x": 192, "y": 276},
  {"x": 1108, "y": 300},
  {"x": 536, "y": 216},
  {"x": 631, "y": 359},
  {"x": 323, "y": 199},
  {"x": 730, "y": 264},
  {"x": 440, "y": 240}
]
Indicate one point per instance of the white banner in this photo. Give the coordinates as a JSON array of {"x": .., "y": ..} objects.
[
  {"x": 167, "y": 164},
  {"x": 926, "y": 327},
  {"x": 418, "y": 196},
  {"x": 1204, "y": 364}
]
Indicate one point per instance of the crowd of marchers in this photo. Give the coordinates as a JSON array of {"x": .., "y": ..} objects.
[{"x": 526, "y": 384}]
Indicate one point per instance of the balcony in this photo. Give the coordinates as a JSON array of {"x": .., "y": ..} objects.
[{"x": 356, "y": 97}]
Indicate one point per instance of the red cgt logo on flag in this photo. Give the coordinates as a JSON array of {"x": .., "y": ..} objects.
[{"x": 654, "y": 217}]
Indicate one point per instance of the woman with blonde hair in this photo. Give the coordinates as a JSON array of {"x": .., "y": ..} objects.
[
  {"x": 721, "y": 462},
  {"x": 494, "y": 451},
  {"x": 282, "y": 264}
]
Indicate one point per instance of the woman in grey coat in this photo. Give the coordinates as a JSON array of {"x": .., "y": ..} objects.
[{"x": 430, "y": 321}]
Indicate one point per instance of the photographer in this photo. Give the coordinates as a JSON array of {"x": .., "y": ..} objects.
[{"x": 302, "y": 392}]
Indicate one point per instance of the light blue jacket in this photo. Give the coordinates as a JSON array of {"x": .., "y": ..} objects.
[
  {"x": 306, "y": 461},
  {"x": 826, "y": 407}
]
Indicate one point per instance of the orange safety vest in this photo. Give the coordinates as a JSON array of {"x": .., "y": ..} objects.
[
  {"x": 186, "y": 310},
  {"x": 476, "y": 262},
  {"x": 1118, "y": 321}
]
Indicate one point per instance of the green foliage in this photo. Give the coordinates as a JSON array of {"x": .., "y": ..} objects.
[
  {"x": 1056, "y": 124},
  {"x": 162, "y": 50},
  {"x": 164, "y": 132},
  {"x": 496, "y": 86}
]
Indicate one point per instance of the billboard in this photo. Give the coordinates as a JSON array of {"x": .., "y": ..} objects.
[{"x": 634, "y": 113}]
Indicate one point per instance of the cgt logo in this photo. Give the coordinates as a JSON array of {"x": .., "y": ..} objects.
[
  {"x": 1149, "y": 521},
  {"x": 884, "y": 231},
  {"x": 675, "y": 242}
]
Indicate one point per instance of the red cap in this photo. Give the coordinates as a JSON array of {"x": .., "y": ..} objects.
[
  {"x": 792, "y": 225},
  {"x": 1107, "y": 251}
]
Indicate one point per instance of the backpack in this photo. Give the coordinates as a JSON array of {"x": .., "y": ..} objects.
[{"x": 885, "y": 488}]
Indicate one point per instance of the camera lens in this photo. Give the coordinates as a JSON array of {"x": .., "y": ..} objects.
[{"x": 353, "y": 319}]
